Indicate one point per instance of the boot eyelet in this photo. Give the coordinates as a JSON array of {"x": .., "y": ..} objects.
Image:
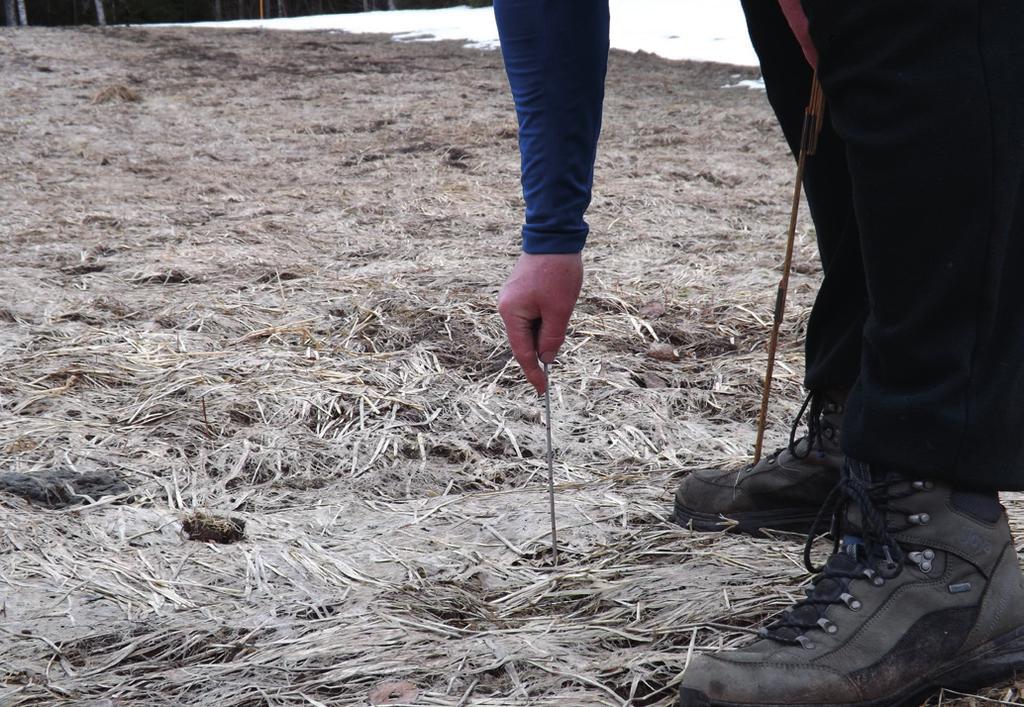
[
  {"x": 852, "y": 602},
  {"x": 919, "y": 519},
  {"x": 923, "y": 560},
  {"x": 827, "y": 626},
  {"x": 923, "y": 485},
  {"x": 807, "y": 643}
]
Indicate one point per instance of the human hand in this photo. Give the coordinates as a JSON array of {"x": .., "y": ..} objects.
[
  {"x": 794, "y": 12},
  {"x": 535, "y": 304}
]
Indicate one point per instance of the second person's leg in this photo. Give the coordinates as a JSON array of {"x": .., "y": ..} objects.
[{"x": 786, "y": 489}]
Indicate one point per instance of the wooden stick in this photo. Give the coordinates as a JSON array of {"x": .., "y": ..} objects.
[{"x": 813, "y": 117}]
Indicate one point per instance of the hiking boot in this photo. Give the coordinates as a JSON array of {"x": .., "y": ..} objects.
[
  {"x": 925, "y": 592},
  {"x": 783, "y": 491}
]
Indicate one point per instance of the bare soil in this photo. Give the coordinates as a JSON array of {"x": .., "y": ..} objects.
[{"x": 249, "y": 278}]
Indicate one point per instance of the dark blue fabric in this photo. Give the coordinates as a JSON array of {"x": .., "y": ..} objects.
[{"x": 556, "y": 56}]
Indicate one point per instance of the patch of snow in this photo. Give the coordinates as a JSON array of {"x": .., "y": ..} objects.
[
  {"x": 701, "y": 30},
  {"x": 752, "y": 84}
]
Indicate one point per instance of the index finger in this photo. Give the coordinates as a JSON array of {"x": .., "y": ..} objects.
[{"x": 522, "y": 337}]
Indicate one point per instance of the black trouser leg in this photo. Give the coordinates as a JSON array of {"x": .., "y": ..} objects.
[
  {"x": 834, "y": 332},
  {"x": 928, "y": 96}
]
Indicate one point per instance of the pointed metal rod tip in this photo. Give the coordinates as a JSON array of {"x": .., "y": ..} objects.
[{"x": 551, "y": 465}]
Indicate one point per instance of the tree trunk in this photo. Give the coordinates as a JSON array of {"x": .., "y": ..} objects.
[
  {"x": 22, "y": 14},
  {"x": 281, "y": 11},
  {"x": 392, "y": 5},
  {"x": 101, "y": 16},
  {"x": 217, "y": 11},
  {"x": 9, "y": 13}
]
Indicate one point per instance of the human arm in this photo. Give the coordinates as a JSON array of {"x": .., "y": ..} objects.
[{"x": 556, "y": 54}]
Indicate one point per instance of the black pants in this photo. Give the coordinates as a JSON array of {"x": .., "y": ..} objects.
[{"x": 917, "y": 195}]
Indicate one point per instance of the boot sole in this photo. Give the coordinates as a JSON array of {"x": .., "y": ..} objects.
[
  {"x": 794, "y": 520},
  {"x": 992, "y": 662}
]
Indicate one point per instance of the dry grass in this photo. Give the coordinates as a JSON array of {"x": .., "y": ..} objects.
[
  {"x": 119, "y": 93},
  {"x": 266, "y": 293}
]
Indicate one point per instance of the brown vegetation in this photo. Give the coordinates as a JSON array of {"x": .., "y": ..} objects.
[{"x": 265, "y": 292}]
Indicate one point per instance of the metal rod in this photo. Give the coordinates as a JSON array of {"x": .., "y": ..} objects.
[
  {"x": 551, "y": 466},
  {"x": 813, "y": 116}
]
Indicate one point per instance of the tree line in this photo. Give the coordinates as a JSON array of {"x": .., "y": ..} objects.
[{"x": 102, "y": 12}]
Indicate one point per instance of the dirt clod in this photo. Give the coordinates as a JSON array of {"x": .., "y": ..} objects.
[
  {"x": 118, "y": 94},
  {"x": 210, "y": 528}
]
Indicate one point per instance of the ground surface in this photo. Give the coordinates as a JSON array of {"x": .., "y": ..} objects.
[{"x": 251, "y": 277}]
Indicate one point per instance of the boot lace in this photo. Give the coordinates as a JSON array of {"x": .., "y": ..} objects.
[
  {"x": 873, "y": 557},
  {"x": 815, "y": 406}
]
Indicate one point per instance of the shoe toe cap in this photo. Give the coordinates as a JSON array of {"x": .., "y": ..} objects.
[
  {"x": 710, "y": 491},
  {"x": 762, "y": 678},
  {"x": 688, "y": 697}
]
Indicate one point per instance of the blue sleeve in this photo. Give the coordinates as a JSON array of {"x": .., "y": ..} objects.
[{"x": 556, "y": 57}]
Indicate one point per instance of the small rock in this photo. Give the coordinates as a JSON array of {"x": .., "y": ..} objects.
[{"x": 662, "y": 352}]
